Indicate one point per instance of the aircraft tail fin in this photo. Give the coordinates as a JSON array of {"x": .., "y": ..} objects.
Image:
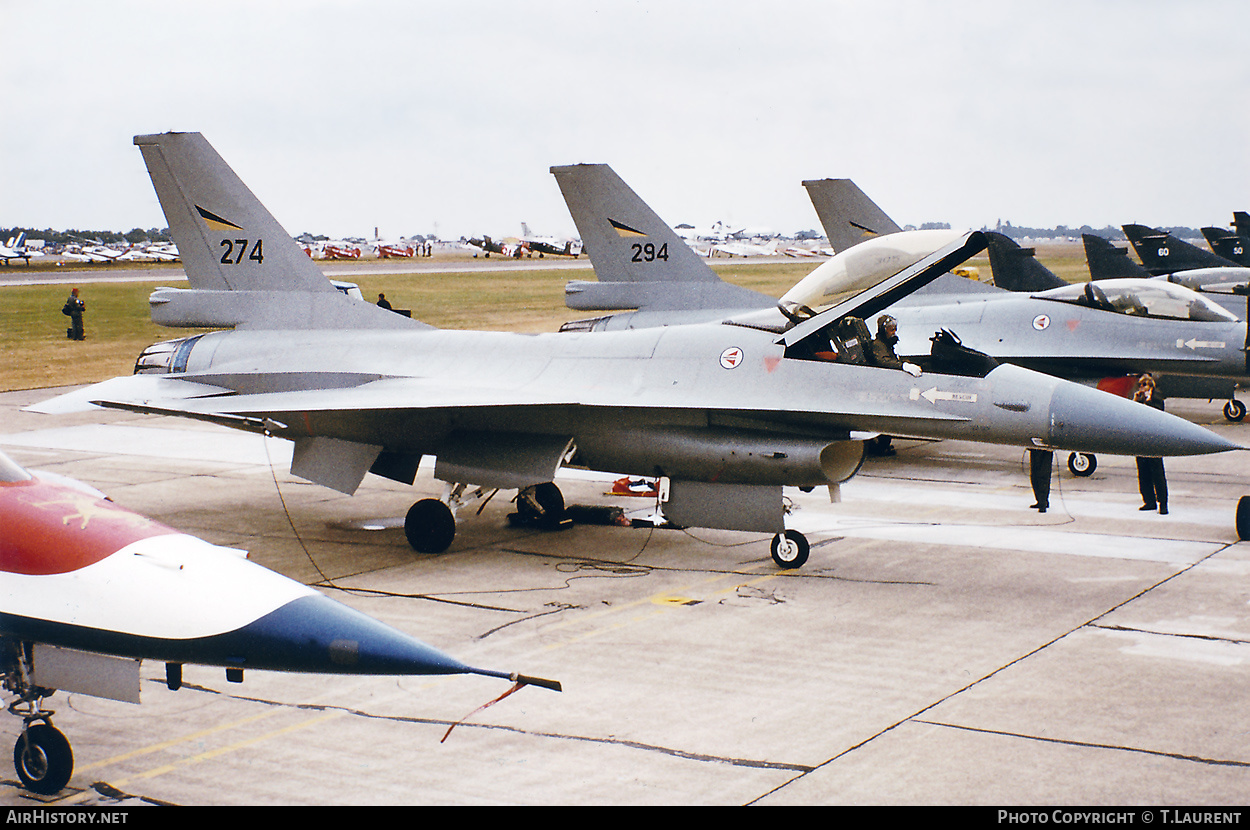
[
  {"x": 1107, "y": 261},
  {"x": 1241, "y": 221},
  {"x": 847, "y": 214},
  {"x": 1016, "y": 268},
  {"x": 227, "y": 239},
  {"x": 244, "y": 269},
  {"x": 639, "y": 260},
  {"x": 1162, "y": 253},
  {"x": 625, "y": 239},
  {"x": 1228, "y": 244}
]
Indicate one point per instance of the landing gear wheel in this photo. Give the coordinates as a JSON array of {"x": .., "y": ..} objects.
[
  {"x": 542, "y": 504},
  {"x": 43, "y": 759},
  {"x": 1082, "y": 464},
  {"x": 1234, "y": 410},
  {"x": 429, "y": 526},
  {"x": 790, "y": 549},
  {"x": 1243, "y": 518}
]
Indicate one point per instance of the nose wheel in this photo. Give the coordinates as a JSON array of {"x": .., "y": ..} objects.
[
  {"x": 42, "y": 755},
  {"x": 1082, "y": 464},
  {"x": 1234, "y": 410},
  {"x": 790, "y": 549},
  {"x": 43, "y": 759}
]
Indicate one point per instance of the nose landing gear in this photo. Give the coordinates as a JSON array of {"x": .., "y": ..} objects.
[{"x": 42, "y": 755}]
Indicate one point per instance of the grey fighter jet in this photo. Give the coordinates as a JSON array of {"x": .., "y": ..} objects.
[
  {"x": 1089, "y": 332},
  {"x": 1227, "y": 286},
  {"x": 728, "y": 412}
]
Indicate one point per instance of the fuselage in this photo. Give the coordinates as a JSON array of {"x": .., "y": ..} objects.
[
  {"x": 80, "y": 572},
  {"x": 408, "y": 391},
  {"x": 1077, "y": 341}
]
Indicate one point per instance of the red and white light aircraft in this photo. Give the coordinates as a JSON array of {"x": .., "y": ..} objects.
[{"x": 88, "y": 589}]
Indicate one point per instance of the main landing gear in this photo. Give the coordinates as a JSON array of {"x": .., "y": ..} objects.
[
  {"x": 42, "y": 755},
  {"x": 431, "y": 523},
  {"x": 1234, "y": 410}
]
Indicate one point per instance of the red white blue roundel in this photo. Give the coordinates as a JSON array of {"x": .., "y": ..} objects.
[
  {"x": 1041, "y": 322},
  {"x": 731, "y": 357}
]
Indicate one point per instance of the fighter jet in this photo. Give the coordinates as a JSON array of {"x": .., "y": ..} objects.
[
  {"x": 728, "y": 412},
  {"x": 1228, "y": 286},
  {"x": 89, "y": 589},
  {"x": 1110, "y": 329}
]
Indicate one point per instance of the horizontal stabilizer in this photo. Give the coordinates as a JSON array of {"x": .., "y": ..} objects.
[{"x": 584, "y": 295}]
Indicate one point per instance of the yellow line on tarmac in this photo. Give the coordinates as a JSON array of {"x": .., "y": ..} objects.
[
  {"x": 203, "y": 756},
  {"x": 659, "y": 603}
]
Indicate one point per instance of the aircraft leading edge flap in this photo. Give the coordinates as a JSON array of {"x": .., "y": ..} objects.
[
  {"x": 130, "y": 388},
  {"x": 889, "y": 291}
]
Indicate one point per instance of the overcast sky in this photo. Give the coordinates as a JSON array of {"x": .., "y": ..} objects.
[{"x": 422, "y": 117}]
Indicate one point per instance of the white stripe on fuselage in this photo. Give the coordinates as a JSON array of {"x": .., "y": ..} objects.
[{"x": 172, "y": 586}]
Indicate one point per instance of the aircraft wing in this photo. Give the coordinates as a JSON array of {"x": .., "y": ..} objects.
[{"x": 415, "y": 395}]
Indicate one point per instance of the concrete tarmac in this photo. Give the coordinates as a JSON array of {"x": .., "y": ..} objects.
[{"x": 943, "y": 645}]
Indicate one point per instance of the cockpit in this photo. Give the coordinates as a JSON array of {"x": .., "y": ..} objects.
[{"x": 1141, "y": 298}]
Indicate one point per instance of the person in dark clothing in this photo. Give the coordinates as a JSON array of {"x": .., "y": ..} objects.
[
  {"x": 1040, "y": 464},
  {"x": 384, "y": 303},
  {"x": 883, "y": 346},
  {"x": 73, "y": 309},
  {"x": 1151, "y": 479}
]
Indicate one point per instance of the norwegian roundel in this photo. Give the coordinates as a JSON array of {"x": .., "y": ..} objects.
[{"x": 731, "y": 357}]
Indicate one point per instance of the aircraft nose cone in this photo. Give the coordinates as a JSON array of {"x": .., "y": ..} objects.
[
  {"x": 1091, "y": 420},
  {"x": 317, "y": 634}
]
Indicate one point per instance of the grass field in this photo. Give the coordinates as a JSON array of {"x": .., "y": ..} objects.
[{"x": 35, "y": 352}]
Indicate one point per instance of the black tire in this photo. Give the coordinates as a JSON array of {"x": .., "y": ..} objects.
[
  {"x": 1082, "y": 464},
  {"x": 790, "y": 549},
  {"x": 429, "y": 526},
  {"x": 541, "y": 504},
  {"x": 1243, "y": 518},
  {"x": 43, "y": 759},
  {"x": 1234, "y": 410}
]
